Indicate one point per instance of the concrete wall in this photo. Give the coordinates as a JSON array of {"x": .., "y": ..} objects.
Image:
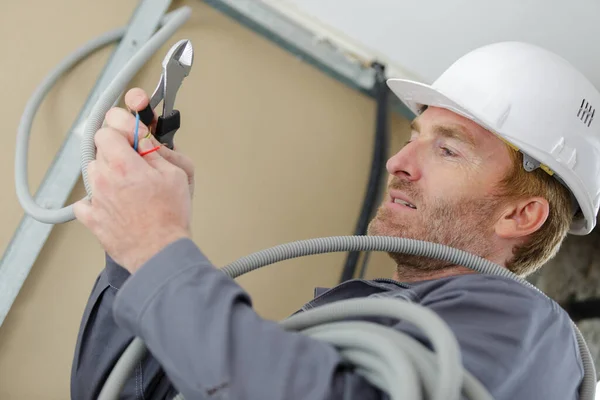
[{"x": 575, "y": 274}]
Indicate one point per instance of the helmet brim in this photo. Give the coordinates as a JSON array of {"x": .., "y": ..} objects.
[{"x": 416, "y": 96}]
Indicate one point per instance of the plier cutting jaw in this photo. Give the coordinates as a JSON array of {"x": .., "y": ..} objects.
[{"x": 175, "y": 67}]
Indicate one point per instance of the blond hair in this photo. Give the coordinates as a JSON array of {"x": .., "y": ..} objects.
[{"x": 543, "y": 244}]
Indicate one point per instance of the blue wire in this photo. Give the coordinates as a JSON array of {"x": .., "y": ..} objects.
[{"x": 137, "y": 127}]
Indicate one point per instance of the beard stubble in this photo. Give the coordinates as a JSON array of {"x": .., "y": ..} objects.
[{"x": 465, "y": 224}]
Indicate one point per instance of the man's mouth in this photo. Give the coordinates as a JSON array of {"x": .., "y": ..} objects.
[{"x": 404, "y": 203}]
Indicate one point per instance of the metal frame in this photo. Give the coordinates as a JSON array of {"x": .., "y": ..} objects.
[
  {"x": 60, "y": 179},
  {"x": 306, "y": 45}
]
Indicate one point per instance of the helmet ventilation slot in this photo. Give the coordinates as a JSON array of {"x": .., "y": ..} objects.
[{"x": 586, "y": 112}]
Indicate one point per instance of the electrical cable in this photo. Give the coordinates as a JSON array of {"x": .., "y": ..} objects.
[
  {"x": 149, "y": 151},
  {"x": 448, "y": 376},
  {"x": 136, "y": 131},
  {"x": 367, "y": 256},
  {"x": 403, "y": 368},
  {"x": 380, "y": 147},
  {"x": 136, "y": 138},
  {"x": 169, "y": 24}
]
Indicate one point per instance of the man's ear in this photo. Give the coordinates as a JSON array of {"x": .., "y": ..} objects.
[{"x": 523, "y": 217}]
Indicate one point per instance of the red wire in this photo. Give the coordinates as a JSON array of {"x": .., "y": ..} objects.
[{"x": 149, "y": 151}]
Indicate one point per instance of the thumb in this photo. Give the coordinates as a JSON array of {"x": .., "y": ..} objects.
[
  {"x": 84, "y": 212},
  {"x": 148, "y": 150}
]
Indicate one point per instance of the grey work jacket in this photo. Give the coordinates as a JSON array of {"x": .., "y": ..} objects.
[{"x": 207, "y": 341}]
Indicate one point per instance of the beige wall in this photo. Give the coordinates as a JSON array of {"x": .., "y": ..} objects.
[{"x": 269, "y": 135}]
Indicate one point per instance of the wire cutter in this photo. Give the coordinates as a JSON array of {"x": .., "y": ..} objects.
[{"x": 175, "y": 67}]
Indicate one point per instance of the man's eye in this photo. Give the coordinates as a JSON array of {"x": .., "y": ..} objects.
[{"x": 447, "y": 152}]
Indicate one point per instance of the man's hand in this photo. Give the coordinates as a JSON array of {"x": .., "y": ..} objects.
[
  {"x": 139, "y": 204},
  {"x": 119, "y": 119}
]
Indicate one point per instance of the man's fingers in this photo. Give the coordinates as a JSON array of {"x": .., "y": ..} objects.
[
  {"x": 178, "y": 159},
  {"x": 113, "y": 148},
  {"x": 96, "y": 176},
  {"x": 119, "y": 120},
  {"x": 124, "y": 122},
  {"x": 83, "y": 211},
  {"x": 91, "y": 170},
  {"x": 136, "y": 99},
  {"x": 148, "y": 150}
]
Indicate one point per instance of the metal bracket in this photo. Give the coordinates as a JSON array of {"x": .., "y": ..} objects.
[
  {"x": 58, "y": 183},
  {"x": 306, "y": 45}
]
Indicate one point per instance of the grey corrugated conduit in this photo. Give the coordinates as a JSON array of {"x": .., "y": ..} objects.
[
  {"x": 440, "y": 374},
  {"x": 390, "y": 360}
]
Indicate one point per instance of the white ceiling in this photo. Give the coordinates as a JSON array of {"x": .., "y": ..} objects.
[{"x": 421, "y": 38}]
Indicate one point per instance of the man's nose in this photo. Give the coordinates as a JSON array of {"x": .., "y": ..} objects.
[{"x": 405, "y": 163}]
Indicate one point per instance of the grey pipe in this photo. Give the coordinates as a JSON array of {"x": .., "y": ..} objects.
[{"x": 449, "y": 377}]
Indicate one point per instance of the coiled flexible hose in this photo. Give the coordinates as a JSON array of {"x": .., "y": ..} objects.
[
  {"x": 381, "y": 354},
  {"x": 359, "y": 341},
  {"x": 170, "y": 23}
]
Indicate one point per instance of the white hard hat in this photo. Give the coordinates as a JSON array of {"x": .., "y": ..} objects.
[{"x": 532, "y": 99}]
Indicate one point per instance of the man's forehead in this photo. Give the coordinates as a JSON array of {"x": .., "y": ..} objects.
[{"x": 447, "y": 123}]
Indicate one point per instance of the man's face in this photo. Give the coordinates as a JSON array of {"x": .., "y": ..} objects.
[{"x": 448, "y": 173}]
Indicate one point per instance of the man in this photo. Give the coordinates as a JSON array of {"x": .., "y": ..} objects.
[{"x": 467, "y": 178}]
